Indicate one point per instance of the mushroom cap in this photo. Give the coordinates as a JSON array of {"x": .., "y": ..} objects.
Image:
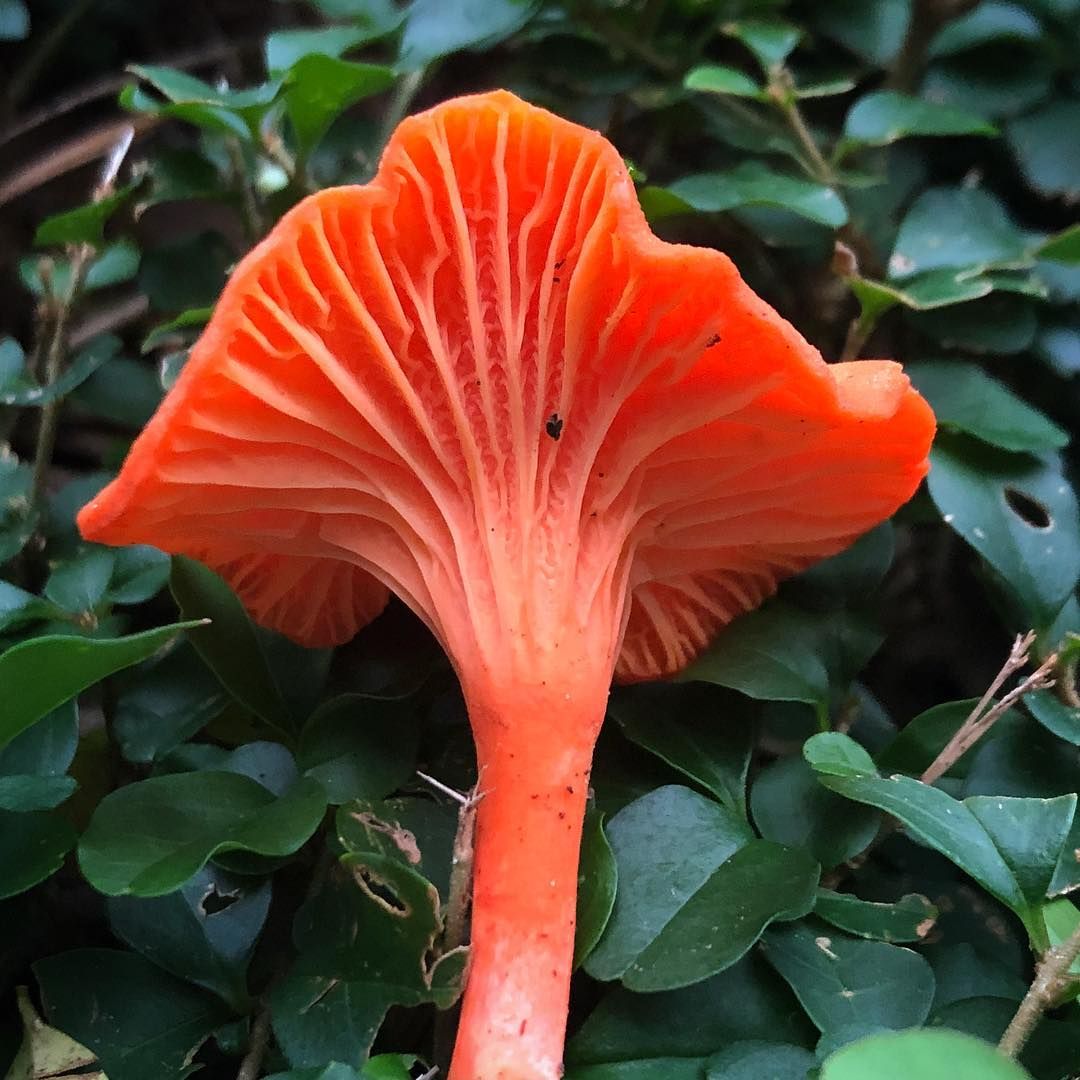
[{"x": 481, "y": 382}]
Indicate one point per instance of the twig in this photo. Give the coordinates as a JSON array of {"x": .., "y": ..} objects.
[
  {"x": 927, "y": 18},
  {"x": 1051, "y": 979},
  {"x": 458, "y": 902},
  {"x": 781, "y": 91},
  {"x": 983, "y": 717},
  {"x": 55, "y": 350},
  {"x": 249, "y": 202},
  {"x": 258, "y": 1044}
]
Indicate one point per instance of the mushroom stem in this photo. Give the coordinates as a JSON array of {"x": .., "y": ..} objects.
[{"x": 534, "y": 749}]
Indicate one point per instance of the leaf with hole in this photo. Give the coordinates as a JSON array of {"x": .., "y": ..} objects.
[
  {"x": 204, "y": 933},
  {"x": 1018, "y": 512}
]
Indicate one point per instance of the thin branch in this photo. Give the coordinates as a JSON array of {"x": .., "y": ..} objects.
[
  {"x": 927, "y": 18},
  {"x": 1051, "y": 980},
  {"x": 781, "y": 91},
  {"x": 987, "y": 712},
  {"x": 258, "y": 1044}
]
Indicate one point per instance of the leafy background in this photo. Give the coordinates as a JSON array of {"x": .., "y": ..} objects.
[{"x": 191, "y": 814}]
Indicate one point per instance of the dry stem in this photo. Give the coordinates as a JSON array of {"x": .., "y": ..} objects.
[
  {"x": 258, "y": 1043},
  {"x": 987, "y": 712},
  {"x": 1051, "y": 979}
]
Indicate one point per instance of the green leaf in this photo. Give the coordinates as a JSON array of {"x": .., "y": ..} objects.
[
  {"x": 831, "y": 753},
  {"x": 435, "y": 28},
  {"x": 790, "y": 807},
  {"x": 911, "y": 918},
  {"x": 1018, "y": 512},
  {"x": 941, "y": 822},
  {"x": 139, "y": 1021},
  {"x": 139, "y": 573},
  {"x": 925, "y": 292},
  {"x": 165, "y": 703},
  {"x": 759, "y": 884},
  {"x": 84, "y": 225},
  {"x": 1054, "y": 715},
  {"x": 957, "y": 229},
  {"x": 360, "y": 747},
  {"x": 653, "y": 1069},
  {"x": 1030, "y": 834},
  {"x": 1063, "y": 247},
  {"x": 284, "y": 47},
  {"x": 149, "y": 838},
  {"x": 17, "y": 606},
  {"x": 1050, "y": 163},
  {"x": 45, "y": 749},
  {"x": 924, "y": 737},
  {"x": 992, "y": 21},
  {"x": 204, "y": 933},
  {"x": 843, "y": 981},
  {"x": 695, "y": 836},
  {"x": 334, "y": 1071},
  {"x": 884, "y": 116},
  {"x": 721, "y": 79},
  {"x": 319, "y": 88},
  {"x": 598, "y": 875},
  {"x": 193, "y": 317},
  {"x": 18, "y": 518},
  {"x": 747, "y": 1001},
  {"x": 965, "y": 398},
  {"x": 757, "y": 1060},
  {"x": 228, "y": 644},
  {"x": 32, "y": 846},
  {"x": 753, "y": 183},
  {"x": 44, "y": 672},
  {"x": 698, "y": 729},
  {"x": 114, "y": 263},
  {"x": 23, "y": 391},
  {"x": 28, "y": 793},
  {"x": 770, "y": 40},
  {"x": 927, "y": 1054},
  {"x": 186, "y": 276},
  {"x": 80, "y": 584},
  {"x": 1001, "y": 323},
  {"x": 871, "y": 31},
  {"x": 359, "y": 952}
]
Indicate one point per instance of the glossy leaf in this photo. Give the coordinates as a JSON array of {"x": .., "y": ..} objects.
[
  {"x": 1049, "y": 163},
  {"x": 695, "y": 837},
  {"x": 754, "y": 1060},
  {"x": 909, "y": 919},
  {"x": 435, "y": 28},
  {"x": 598, "y": 875},
  {"x": 770, "y": 40},
  {"x": 964, "y": 398},
  {"x": 204, "y": 933},
  {"x": 319, "y": 88},
  {"x": 843, "y": 981},
  {"x": 22, "y": 391},
  {"x": 755, "y": 184},
  {"x": 32, "y": 847},
  {"x": 139, "y": 1021},
  {"x": 1054, "y": 715},
  {"x": 227, "y": 642},
  {"x": 84, "y": 225},
  {"x": 721, "y": 79},
  {"x": 883, "y": 116},
  {"x": 928, "y": 1054},
  {"x": 360, "y": 747},
  {"x": 150, "y": 838},
  {"x": 44, "y": 672},
  {"x": 698, "y": 729},
  {"x": 1018, "y": 512},
  {"x": 956, "y": 228}
]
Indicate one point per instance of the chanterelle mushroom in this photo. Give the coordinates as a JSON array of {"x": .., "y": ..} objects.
[{"x": 572, "y": 449}]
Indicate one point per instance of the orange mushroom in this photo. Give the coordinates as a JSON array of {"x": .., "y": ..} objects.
[{"x": 572, "y": 449}]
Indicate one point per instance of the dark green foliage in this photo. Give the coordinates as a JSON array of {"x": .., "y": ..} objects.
[{"x": 768, "y": 888}]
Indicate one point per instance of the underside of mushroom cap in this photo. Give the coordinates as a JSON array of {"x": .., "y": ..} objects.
[{"x": 481, "y": 382}]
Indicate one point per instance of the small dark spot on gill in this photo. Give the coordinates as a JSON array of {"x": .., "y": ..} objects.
[
  {"x": 1029, "y": 510},
  {"x": 559, "y": 264},
  {"x": 554, "y": 426},
  {"x": 570, "y": 789},
  {"x": 714, "y": 340},
  {"x": 556, "y": 279},
  {"x": 524, "y": 1025},
  {"x": 562, "y": 815}
]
